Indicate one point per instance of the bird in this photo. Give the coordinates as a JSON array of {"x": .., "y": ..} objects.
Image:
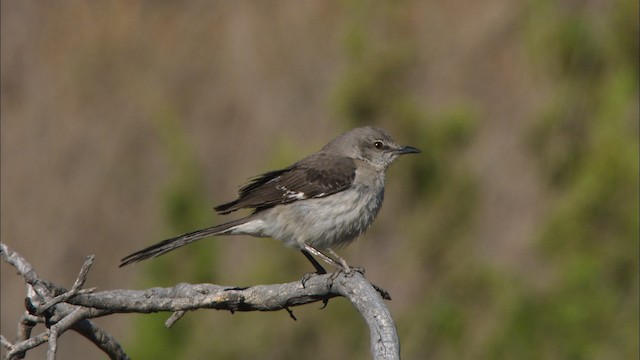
[{"x": 322, "y": 202}]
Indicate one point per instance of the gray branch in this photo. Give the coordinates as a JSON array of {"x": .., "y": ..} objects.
[{"x": 62, "y": 310}]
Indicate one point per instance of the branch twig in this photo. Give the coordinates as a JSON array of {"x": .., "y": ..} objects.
[{"x": 75, "y": 289}]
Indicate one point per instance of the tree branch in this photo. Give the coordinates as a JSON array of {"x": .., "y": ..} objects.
[{"x": 63, "y": 310}]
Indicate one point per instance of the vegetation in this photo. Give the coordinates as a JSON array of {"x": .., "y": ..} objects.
[
  {"x": 582, "y": 303},
  {"x": 514, "y": 235}
]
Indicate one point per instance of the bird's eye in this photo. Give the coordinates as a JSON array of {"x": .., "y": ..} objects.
[{"x": 378, "y": 145}]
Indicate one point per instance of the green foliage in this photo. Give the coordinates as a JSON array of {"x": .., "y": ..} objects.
[
  {"x": 443, "y": 136},
  {"x": 370, "y": 87},
  {"x": 581, "y": 302},
  {"x": 374, "y": 82},
  {"x": 184, "y": 211},
  {"x": 587, "y": 146}
]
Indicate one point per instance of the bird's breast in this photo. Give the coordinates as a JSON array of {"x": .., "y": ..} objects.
[{"x": 333, "y": 221}]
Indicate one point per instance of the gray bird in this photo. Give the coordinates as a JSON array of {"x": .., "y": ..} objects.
[{"x": 323, "y": 201}]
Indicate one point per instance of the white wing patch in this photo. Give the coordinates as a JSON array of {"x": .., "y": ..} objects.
[
  {"x": 291, "y": 195},
  {"x": 295, "y": 195}
]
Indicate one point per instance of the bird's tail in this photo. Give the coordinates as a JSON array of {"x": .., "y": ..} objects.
[{"x": 176, "y": 242}]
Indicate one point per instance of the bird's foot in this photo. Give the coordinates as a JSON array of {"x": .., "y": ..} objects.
[
  {"x": 355, "y": 269},
  {"x": 348, "y": 271},
  {"x": 307, "y": 276}
]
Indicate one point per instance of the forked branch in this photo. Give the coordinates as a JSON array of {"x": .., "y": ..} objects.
[{"x": 61, "y": 310}]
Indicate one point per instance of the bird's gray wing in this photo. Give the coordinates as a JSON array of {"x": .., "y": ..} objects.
[{"x": 316, "y": 176}]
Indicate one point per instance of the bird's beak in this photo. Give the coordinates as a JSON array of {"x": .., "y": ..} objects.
[{"x": 407, "y": 150}]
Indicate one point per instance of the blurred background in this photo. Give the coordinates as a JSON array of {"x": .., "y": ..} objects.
[{"x": 513, "y": 235}]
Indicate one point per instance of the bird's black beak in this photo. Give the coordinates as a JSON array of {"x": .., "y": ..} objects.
[{"x": 407, "y": 150}]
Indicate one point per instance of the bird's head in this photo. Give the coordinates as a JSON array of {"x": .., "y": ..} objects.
[{"x": 370, "y": 144}]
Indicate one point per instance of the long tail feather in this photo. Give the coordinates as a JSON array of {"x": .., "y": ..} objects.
[{"x": 178, "y": 241}]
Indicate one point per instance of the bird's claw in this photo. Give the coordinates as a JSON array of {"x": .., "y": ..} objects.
[
  {"x": 349, "y": 271},
  {"x": 307, "y": 276}
]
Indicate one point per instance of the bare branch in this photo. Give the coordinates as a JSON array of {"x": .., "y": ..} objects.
[
  {"x": 177, "y": 315},
  {"x": 6, "y": 343},
  {"x": 76, "y": 289},
  {"x": 16, "y": 349},
  {"x": 18, "y": 262},
  {"x": 25, "y": 326},
  {"x": 385, "y": 343},
  {"x": 102, "y": 339},
  {"x": 184, "y": 297},
  {"x": 63, "y": 310},
  {"x": 62, "y": 316}
]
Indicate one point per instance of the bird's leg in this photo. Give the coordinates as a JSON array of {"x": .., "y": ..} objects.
[
  {"x": 341, "y": 263},
  {"x": 307, "y": 251},
  {"x": 319, "y": 269},
  {"x": 327, "y": 259},
  {"x": 347, "y": 269}
]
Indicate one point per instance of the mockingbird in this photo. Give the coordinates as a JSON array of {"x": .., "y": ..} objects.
[{"x": 321, "y": 202}]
